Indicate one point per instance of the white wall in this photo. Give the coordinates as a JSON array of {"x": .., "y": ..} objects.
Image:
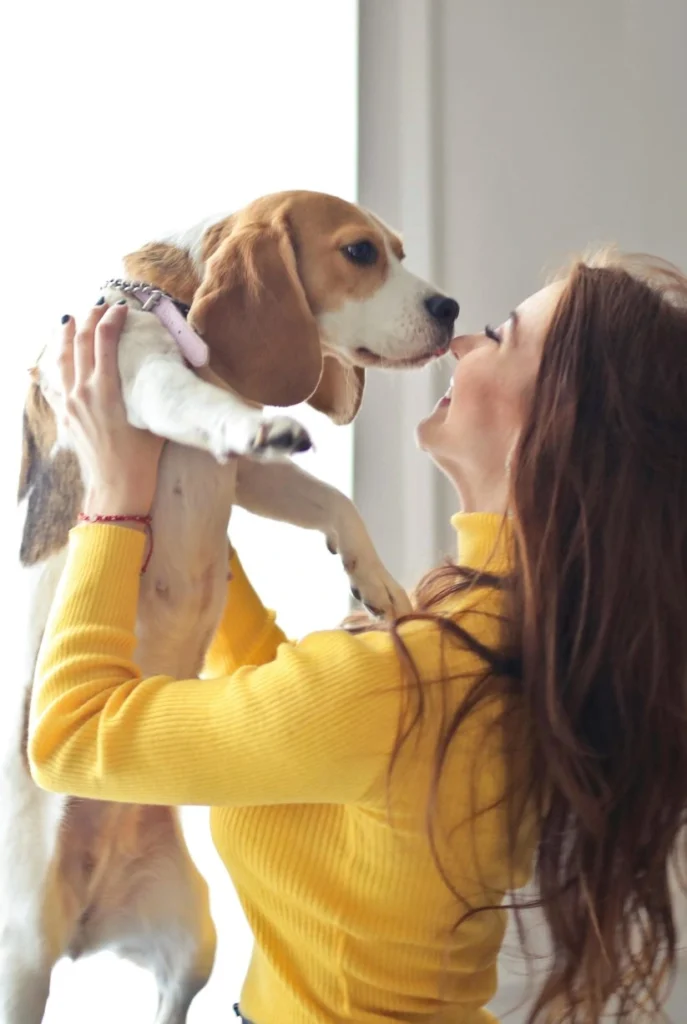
[
  {"x": 400, "y": 178},
  {"x": 502, "y": 136}
]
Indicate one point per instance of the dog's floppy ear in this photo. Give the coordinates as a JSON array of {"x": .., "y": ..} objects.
[
  {"x": 253, "y": 314},
  {"x": 340, "y": 391}
]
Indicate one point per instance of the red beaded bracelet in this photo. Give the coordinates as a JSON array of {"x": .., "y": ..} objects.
[{"x": 146, "y": 521}]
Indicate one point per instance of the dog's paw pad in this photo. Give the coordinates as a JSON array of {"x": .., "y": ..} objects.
[{"x": 280, "y": 436}]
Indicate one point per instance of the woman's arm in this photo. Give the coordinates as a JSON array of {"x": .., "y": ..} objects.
[{"x": 315, "y": 724}]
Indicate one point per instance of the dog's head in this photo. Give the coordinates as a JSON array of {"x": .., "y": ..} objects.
[{"x": 296, "y": 295}]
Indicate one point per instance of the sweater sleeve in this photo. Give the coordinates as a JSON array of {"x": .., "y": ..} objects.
[
  {"x": 247, "y": 633},
  {"x": 314, "y": 724}
]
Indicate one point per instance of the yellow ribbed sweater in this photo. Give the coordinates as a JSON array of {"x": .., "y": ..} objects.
[{"x": 289, "y": 743}]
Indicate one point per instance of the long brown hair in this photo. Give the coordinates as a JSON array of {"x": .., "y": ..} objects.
[{"x": 595, "y": 635}]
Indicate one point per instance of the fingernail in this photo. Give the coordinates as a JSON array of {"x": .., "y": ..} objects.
[
  {"x": 65, "y": 319},
  {"x": 101, "y": 301},
  {"x": 121, "y": 302}
]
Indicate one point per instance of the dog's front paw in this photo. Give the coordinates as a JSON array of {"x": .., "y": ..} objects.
[
  {"x": 279, "y": 436},
  {"x": 257, "y": 437},
  {"x": 379, "y": 591},
  {"x": 371, "y": 584}
]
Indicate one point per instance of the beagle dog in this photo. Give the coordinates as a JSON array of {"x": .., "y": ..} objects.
[{"x": 289, "y": 300}]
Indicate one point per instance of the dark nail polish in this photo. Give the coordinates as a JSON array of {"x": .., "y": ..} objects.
[
  {"x": 121, "y": 302},
  {"x": 101, "y": 301},
  {"x": 65, "y": 319}
]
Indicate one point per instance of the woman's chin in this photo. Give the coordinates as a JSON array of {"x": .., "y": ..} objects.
[
  {"x": 426, "y": 430},
  {"x": 421, "y": 435}
]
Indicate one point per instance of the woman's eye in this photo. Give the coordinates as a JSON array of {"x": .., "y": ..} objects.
[
  {"x": 493, "y": 334},
  {"x": 363, "y": 253}
]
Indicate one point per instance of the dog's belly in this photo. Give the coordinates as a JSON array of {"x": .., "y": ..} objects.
[{"x": 184, "y": 587}]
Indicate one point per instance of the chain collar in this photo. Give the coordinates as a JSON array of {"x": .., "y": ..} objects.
[
  {"x": 155, "y": 294},
  {"x": 171, "y": 313}
]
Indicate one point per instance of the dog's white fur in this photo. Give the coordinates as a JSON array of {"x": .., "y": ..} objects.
[{"x": 223, "y": 452}]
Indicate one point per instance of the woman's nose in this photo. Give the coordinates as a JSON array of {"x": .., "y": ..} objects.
[{"x": 463, "y": 344}]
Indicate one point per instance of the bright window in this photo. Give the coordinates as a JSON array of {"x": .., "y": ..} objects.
[{"x": 126, "y": 121}]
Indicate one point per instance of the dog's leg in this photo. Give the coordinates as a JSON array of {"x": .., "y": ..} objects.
[
  {"x": 280, "y": 490},
  {"x": 150, "y": 904},
  {"x": 30, "y": 934},
  {"x": 24, "y": 989},
  {"x": 163, "y": 395},
  {"x": 168, "y": 399},
  {"x": 175, "y": 1002},
  {"x": 183, "y": 902}
]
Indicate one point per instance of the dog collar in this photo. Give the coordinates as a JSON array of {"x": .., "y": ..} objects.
[{"x": 172, "y": 315}]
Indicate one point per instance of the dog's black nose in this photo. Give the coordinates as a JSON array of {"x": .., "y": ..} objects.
[{"x": 442, "y": 309}]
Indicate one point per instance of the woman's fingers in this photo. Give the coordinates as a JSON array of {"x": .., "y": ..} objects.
[
  {"x": 121, "y": 460},
  {"x": 88, "y": 362},
  {"x": 66, "y": 358},
  {"x": 107, "y": 335},
  {"x": 84, "y": 357}
]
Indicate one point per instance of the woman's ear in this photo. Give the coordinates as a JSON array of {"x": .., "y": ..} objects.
[
  {"x": 340, "y": 391},
  {"x": 252, "y": 312}
]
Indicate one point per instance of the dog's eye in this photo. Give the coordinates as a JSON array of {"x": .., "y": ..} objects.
[{"x": 363, "y": 253}]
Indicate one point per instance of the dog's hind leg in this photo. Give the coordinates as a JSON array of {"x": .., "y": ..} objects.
[
  {"x": 176, "y": 999},
  {"x": 149, "y": 904},
  {"x": 30, "y": 919},
  {"x": 24, "y": 989},
  {"x": 26, "y": 957},
  {"x": 32, "y": 937}
]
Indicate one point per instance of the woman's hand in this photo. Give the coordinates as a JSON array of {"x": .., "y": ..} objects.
[{"x": 121, "y": 462}]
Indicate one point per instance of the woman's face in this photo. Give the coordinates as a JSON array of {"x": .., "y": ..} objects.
[{"x": 472, "y": 430}]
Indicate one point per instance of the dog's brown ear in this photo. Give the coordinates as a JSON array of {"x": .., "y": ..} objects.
[
  {"x": 253, "y": 314},
  {"x": 49, "y": 483},
  {"x": 340, "y": 391}
]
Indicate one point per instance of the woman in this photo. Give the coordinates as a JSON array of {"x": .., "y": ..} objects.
[{"x": 377, "y": 792}]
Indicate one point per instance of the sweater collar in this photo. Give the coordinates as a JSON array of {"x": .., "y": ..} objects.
[{"x": 485, "y": 541}]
